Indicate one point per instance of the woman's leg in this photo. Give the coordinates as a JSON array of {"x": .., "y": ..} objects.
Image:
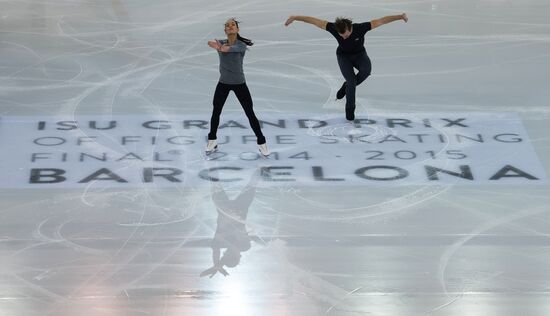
[
  {"x": 220, "y": 95},
  {"x": 243, "y": 94}
]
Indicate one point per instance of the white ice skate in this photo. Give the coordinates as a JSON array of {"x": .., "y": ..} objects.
[
  {"x": 263, "y": 150},
  {"x": 211, "y": 146}
]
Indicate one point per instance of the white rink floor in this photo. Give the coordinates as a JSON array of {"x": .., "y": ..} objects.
[{"x": 311, "y": 247}]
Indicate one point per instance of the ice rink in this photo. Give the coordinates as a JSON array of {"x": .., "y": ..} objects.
[{"x": 434, "y": 201}]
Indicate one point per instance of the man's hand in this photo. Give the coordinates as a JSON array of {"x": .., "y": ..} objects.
[
  {"x": 405, "y": 17},
  {"x": 289, "y": 20}
]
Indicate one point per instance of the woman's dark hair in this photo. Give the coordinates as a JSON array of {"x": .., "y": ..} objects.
[
  {"x": 230, "y": 258},
  {"x": 245, "y": 40},
  {"x": 342, "y": 25}
]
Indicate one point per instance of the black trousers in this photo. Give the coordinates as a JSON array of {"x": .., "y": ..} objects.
[
  {"x": 361, "y": 62},
  {"x": 243, "y": 95}
]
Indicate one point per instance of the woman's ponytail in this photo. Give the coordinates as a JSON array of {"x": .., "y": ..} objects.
[{"x": 247, "y": 41}]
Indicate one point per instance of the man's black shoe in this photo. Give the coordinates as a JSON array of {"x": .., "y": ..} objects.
[
  {"x": 350, "y": 115},
  {"x": 342, "y": 92}
]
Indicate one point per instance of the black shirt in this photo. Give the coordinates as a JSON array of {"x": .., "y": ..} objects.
[{"x": 355, "y": 42}]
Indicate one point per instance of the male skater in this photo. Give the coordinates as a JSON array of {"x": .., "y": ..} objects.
[{"x": 351, "y": 51}]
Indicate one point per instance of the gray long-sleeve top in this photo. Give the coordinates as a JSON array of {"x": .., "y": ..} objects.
[{"x": 231, "y": 63}]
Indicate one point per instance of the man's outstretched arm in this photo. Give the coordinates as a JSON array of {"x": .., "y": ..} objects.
[
  {"x": 388, "y": 19},
  {"x": 322, "y": 24}
]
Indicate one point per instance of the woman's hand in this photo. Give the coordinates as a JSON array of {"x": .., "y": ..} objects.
[
  {"x": 225, "y": 48},
  {"x": 215, "y": 44},
  {"x": 210, "y": 272}
]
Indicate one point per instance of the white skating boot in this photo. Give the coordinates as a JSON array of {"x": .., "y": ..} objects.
[
  {"x": 263, "y": 150},
  {"x": 211, "y": 146}
]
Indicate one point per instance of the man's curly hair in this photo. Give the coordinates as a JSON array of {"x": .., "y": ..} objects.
[{"x": 342, "y": 24}]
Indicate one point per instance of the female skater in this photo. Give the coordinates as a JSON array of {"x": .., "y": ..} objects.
[
  {"x": 231, "y": 52},
  {"x": 231, "y": 232},
  {"x": 351, "y": 51}
]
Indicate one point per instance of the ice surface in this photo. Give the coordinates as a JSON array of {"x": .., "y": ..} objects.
[{"x": 419, "y": 249}]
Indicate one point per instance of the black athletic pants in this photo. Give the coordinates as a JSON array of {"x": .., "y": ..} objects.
[
  {"x": 361, "y": 62},
  {"x": 243, "y": 95}
]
